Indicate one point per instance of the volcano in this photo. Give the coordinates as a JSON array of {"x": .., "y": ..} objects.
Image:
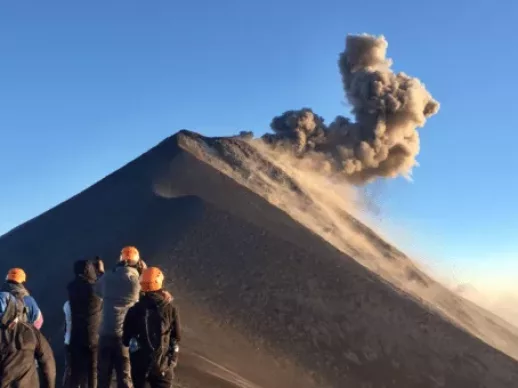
[{"x": 266, "y": 298}]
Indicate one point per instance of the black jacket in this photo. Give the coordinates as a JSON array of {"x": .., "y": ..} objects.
[
  {"x": 170, "y": 332},
  {"x": 85, "y": 305},
  {"x": 20, "y": 345}
]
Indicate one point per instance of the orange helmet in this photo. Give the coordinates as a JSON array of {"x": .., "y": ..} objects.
[
  {"x": 151, "y": 279},
  {"x": 130, "y": 254},
  {"x": 16, "y": 275}
]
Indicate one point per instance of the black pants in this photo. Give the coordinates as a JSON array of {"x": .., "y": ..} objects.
[
  {"x": 113, "y": 355},
  {"x": 82, "y": 366},
  {"x": 144, "y": 377},
  {"x": 66, "y": 373},
  {"x": 155, "y": 380}
]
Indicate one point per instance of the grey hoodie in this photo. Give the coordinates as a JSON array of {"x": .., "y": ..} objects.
[{"x": 119, "y": 290}]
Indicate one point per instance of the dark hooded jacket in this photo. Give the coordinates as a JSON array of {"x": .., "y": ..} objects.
[
  {"x": 20, "y": 345},
  {"x": 85, "y": 305},
  {"x": 162, "y": 335}
]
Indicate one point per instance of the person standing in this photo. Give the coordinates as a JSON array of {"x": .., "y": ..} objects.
[
  {"x": 22, "y": 349},
  {"x": 85, "y": 308},
  {"x": 152, "y": 332},
  {"x": 119, "y": 289},
  {"x": 15, "y": 285}
]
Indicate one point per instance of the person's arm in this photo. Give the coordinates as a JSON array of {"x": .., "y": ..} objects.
[
  {"x": 68, "y": 322},
  {"x": 128, "y": 327},
  {"x": 176, "y": 325},
  {"x": 99, "y": 266},
  {"x": 38, "y": 322},
  {"x": 34, "y": 314},
  {"x": 174, "y": 338},
  {"x": 135, "y": 290},
  {"x": 99, "y": 286},
  {"x": 141, "y": 266},
  {"x": 46, "y": 361}
]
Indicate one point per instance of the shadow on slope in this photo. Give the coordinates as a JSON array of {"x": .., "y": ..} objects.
[{"x": 262, "y": 295}]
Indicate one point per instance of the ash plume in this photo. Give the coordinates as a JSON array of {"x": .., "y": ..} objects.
[{"x": 388, "y": 107}]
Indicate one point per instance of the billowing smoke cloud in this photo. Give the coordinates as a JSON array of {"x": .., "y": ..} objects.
[{"x": 388, "y": 108}]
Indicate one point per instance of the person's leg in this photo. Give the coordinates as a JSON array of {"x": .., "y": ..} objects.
[
  {"x": 76, "y": 367},
  {"x": 68, "y": 368},
  {"x": 105, "y": 362},
  {"x": 84, "y": 363},
  {"x": 164, "y": 380},
  {"x": 122, "y": 365},
  {"x": 139, "y": 369},
  {"x": 92, "y": 367}
]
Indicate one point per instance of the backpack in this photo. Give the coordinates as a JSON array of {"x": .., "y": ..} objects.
[
  {"x": 20, "y": 295},
  {"x": 14, "y": 310},
  {"x": 12, "y": 316},
  {"x": 154, "y": 344},
  {"x": 22, "y": 310}
]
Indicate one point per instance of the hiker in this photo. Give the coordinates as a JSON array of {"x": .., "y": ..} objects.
[
  {"x": 119, "y": 290},
  {"x": 84, "y": 307},
  {"x": 14, "y": 284},
  {"x": 21, "y": 344},
  {"x": 152, "y": 332}
]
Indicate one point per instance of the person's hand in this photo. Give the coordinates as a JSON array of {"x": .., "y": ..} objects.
[
  {"x": 99, "y": 265},
  {"x": 167, "y": 296},
  {"x": 173, "y": 360},
  {"x": 141, "y": 266}
]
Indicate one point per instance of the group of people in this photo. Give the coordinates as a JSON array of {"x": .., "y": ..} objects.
[{"x": 121, "y": 320}]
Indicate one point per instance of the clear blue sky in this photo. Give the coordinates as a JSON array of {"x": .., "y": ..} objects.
[{"x": 87, "y": 86}]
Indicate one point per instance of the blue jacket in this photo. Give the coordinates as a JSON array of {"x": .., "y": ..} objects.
[{"x": 34, "y": 315}]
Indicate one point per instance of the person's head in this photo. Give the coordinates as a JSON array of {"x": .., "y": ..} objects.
[
  {"x": 85, "y": 269},
  {"x": 16, "y": 275},
  {"x": 152, "y": 279},
  {"x": 129, "y": 256}
]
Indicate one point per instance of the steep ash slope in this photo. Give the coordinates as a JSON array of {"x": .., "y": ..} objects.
[
  {"x": 324, "y": 207},
  {"x": 255, "y": 285}
]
